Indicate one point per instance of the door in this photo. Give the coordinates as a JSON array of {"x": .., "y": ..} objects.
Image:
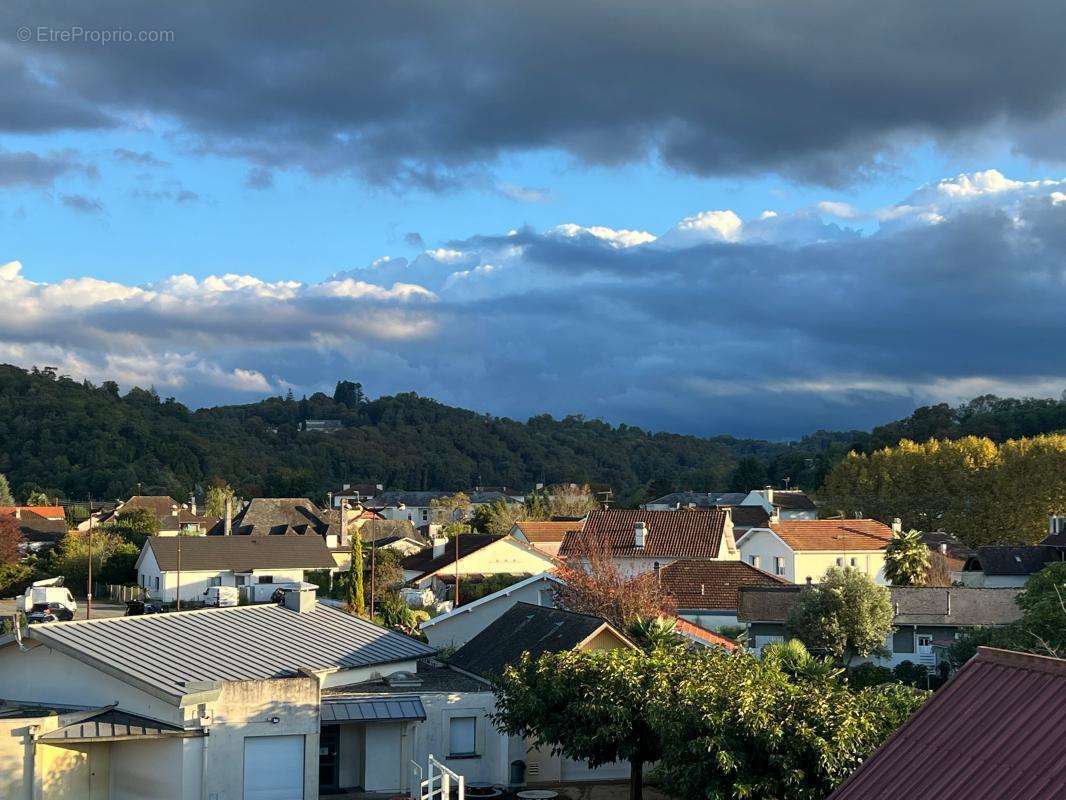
[
  {"x": 328, "y": 761},
  {"x": 925, "y": 649},
  {"x": 274, "y": 768}
]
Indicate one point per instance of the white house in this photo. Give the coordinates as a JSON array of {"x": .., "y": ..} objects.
[
  {"x": 219, "y": 704},
  {"x": 643, "y": 541},
  {"x": 460, "y": 625},
  {"x": 197, "y": 562},
  {"x": 802, "y": 550},
  {"x": 784, "y": 504},
  {"x": 479, "y": 555}
]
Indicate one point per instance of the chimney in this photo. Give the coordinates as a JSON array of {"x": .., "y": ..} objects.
[
  {"x": 192, "y": 503},
  {"x": 329, "y": 499},
  {"x": 727, "y": 529},
  {"x": 300, "y": 598},
  {"x": 438, "y": 546},
  {"x": 227, "y": 517},
  {"x": 897, "y": 525},
  {"x": 18, "y": 513},
  {"x": 775, "y": 515},
  {"x": 640, "y": 534},
  {"x": 344, "y": 523},
  {"x": 943, "y": 548},
  {"x": 769, "y": 492},
  {"x": 345, "y": 486}
]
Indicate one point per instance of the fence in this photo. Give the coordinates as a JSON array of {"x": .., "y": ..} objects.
[{"x": 119, "y": 593}]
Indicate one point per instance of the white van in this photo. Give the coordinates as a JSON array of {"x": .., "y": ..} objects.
[
  {"x": 222, "y": 596},
  {"x": 49, "y": 597}
]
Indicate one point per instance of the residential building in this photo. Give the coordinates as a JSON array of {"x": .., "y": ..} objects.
[
  {"x": 254, "y": 563},
  {"x": 322, "y": 425},
  {"x": 1006, "y": 565},
  {"x": 643, "y": 541},
  {"x": 389, "y": 534},
  {"x": 707, "y": 592},
  {"x": 678, "y": 500},
  {"x": 458, "y": 626},
  {"x": 41, "y": 526},
  {"x": 954, "y": 552},
  {"x": 1056, "y": 534},
  {"x": 479, "y": 555},
  {"x": 414, "y": 507},
  {"x": 217, "y": 703},
  {"x": 284, "y": 516},
  {"x": 783, "y": 504},
  {"x": 995, "y": 730},
  {"x": 802, "y": 550},
  {"x": 355, "y": 493},
  {"x": 545, "y": 535},
  {"x": 927, "y": 620},
  {"x": 171, "y": 516}
]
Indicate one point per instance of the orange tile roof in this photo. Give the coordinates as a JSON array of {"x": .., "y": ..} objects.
[
  {"x": 547, "y": 531},
  {"x": 684, "y": 627},
  {"x": 706, "y": 584},
  {"x": 48, "y": 512},
  {"x": 833, "y": 534}
]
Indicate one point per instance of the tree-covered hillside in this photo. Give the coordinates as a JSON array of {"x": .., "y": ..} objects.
[{"x": 72, "y": 439}]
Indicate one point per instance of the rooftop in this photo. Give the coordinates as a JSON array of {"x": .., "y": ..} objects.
[
  {"x": 526, "y": 628},
  {"x": 280, "y": 516},
  {"x": 424, "y": 561},
  {"x": 705, "y": 584},
  {"x": 1011, "y": 560},
  {"x": 833, "y": 534},
  {"x": 996, "y": 730},
  {"x": 687, "y": 533},
  {"x": 240, "y": 553},
  {"x": 167, "y": 654},
  {"x": 537, "y": 531},
  {"x": 699, "y": 499}
]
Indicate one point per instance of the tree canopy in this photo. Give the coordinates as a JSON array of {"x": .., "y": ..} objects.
[
  {"x": 846, "y": 616},
  {"x": 907, "y": 560}
]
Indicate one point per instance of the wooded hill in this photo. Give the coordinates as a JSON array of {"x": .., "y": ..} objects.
[{"x": 73, "y": 439}]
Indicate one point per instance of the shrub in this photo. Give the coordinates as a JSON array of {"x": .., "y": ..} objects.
[
  {"x": 911, "y": 674},
  {"x": 866, "y": 675}
]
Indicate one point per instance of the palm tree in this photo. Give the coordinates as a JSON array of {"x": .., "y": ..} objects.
[
  {"x": 907, "y": 559},
  {"x": 651, "y": 633},
  {"x": 793, "y": 658}
]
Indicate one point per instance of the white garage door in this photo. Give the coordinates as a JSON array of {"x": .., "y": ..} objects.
[{"x": 274, "y": 768}]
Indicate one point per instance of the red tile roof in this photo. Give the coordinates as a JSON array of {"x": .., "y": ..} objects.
[
  {"x": 686, "y": 628},
  {"x": 997, "y": 730},
  {"x": 833, "y": 534},
  {"x": 549, "y": 531},
  {"x": 48, "y": 512},
  {"x": 685, "y": 533},
  {"x": 712, "y": 584}
]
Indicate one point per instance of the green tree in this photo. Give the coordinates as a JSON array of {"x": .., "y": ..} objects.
[
  {"x": 652, "y": 633},
  {"x": 497, "y": 517},
  {"x": 572, "y": 500},
  {"x": 120, "y": 565},
  {"x": 795, "y": 660},
  {"x": 217, "y": 495},
  {"x": 71, "y": 558},
  {"x": 6, "y": 499},
  {"x": 750, "y": 473},
  {"x": 907, "y": 560},
  {"x": 348, "y": 394},
  {"x": 355, "y": 600},
  {"x": 590, "y": 706},
  {"x": 732, "y": 726},
  {"x": 134, "y": 525},
  {"x": 37, "y": 498},
  {"x": 846, "y": 616},
  {"x": 538, "y": 504}
]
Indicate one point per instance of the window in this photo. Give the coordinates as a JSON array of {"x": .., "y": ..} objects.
[
  {"x": 240, "y": 580},
  {"x": 425, "y": 515},
  {"x": 754, "y": 561},
  {"x": 854, "y": 562},
  {"x": 155, "y": 580},
  {"x": 462, "y": 736},
  {"x": 215, "y": 581},
  {"x": 840, "y": 562},
  {"x": 779, "y": 565},
  {"x": 266, "y": 578}
]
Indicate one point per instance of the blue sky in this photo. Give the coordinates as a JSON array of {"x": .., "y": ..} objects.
[{"x": 542, "y": 209}]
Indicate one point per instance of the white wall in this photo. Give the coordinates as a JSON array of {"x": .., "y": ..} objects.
[
  {"x": 766, "y": 546},
  {"x": 384, "y": 766},
  {"x": 148, "y": 770},
  {"x": 457, "y": 630}
]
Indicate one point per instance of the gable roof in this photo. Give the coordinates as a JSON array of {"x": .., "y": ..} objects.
[
  {"x": 685, "y": 533},
  {"x": 962, "y": 606},
  {"x": 698, "y": 499},
  {"x": 996, "y": 730},
  {"x": 750, "y": 517},
  {"x": 48, "y": 512},
  {"x": 526, "y": 628},
  {"x": 377, "y": 530},
  {"x": 546, "y": 530},
  {"x": 705, "y": 584},
  {"x": 165, "y": 653},
  {"x": 833, "y": 534},
  {"x": 1009, "y": 560},
  {"x": 792, "y": 500},
  {"x": 1055, "y": 539},
  {"x": 416, "y": 499},
  {"x": 36, "y": 528},
  {"x": 282, "y": 516},
  {"x": 424, "y": 562},
  {"x": 240, "y": 553},
  {"x": 466, "y": 608}
]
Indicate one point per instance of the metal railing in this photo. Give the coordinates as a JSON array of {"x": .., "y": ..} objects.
[{"x": 438, "y": 783}]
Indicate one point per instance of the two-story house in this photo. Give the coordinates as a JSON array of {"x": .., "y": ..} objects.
[{"x": 802, "y": 550}]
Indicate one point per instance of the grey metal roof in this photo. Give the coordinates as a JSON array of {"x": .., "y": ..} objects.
[
  {"x": 111, "y": 723},
  {"x": 371, "y": 709},
  {"x": 164, "y": 653},
  {"x": 240, "y": 553}
]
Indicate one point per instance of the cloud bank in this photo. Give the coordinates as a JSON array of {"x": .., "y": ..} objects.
[
  {"x": 771, "y": 326},
  {"x": 430, "y": 93}
]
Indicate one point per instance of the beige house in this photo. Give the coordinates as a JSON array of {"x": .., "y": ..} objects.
[
  {"x": 217, "y": 703},
  {"x": 479, "y": 555},
  {"x": 545, "y": 535},
  {"x": 802, "y": 550}
]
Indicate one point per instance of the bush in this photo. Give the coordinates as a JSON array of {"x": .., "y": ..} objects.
[
  {"x": 14, "y": 578},
  {"x": 866, "y": 675},
  {"x": 911, "y": 674}
]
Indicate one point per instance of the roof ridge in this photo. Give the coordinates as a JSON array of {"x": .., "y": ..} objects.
[{"x": 1019, "y": 660}]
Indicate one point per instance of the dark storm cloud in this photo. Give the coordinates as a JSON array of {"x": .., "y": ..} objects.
[
  {"x": 428, "y": 93},
  {"x": 32, "y": 169}
]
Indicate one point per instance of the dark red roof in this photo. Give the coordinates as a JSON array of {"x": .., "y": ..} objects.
[
  {"x": 997, "y": 730},
  {"x": 710, "y": 585},
  {"x": 685, "y": 533}
]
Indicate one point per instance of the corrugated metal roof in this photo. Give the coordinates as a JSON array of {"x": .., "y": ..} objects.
[
  {"x": 997, "y": 730},
  {"x": 112, "y": 723},
  {"x": 167, "y": 651},
  {"x": 372, "y": 709}
]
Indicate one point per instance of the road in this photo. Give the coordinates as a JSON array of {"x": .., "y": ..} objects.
[{"x": 101, "y": 609}]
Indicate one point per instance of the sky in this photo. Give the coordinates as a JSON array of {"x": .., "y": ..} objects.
[{"x": 701, "y": 217}]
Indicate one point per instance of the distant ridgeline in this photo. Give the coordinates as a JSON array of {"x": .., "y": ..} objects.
[{"x": 71, "y": 439}]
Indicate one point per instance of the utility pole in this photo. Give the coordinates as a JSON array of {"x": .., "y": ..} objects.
[
  {"x": 458, "y": 532},
  {"x": 373, "y": 574},
  {"x": 89, "y": 593},
  {"x": 179, "y": 571}
]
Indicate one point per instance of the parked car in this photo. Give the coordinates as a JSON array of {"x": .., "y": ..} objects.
[
  {"x": 48, "y": 612},
  {"x": 222, "y": 596},
  {"x": 136, "y": 608}
]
